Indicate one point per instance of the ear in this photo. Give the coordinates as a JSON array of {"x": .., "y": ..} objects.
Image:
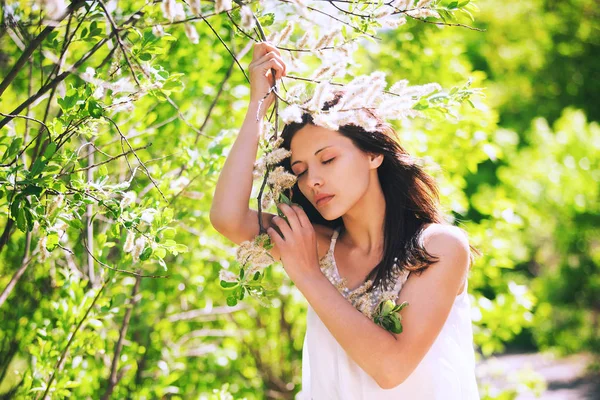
[{"x": 375, "y": 160}]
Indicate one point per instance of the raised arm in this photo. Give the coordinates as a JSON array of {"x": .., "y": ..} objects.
[{"x": 230, "y": 212}]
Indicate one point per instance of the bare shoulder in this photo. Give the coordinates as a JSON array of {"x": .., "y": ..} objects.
[
  {"x": 444, "y": 238},
  {"x": 451, "y": 245}
]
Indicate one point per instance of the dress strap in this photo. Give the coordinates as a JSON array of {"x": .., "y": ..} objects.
[{"x": 334, "y": 237}]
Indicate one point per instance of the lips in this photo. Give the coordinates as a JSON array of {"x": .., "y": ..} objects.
[{"x": 324, "y": 200}]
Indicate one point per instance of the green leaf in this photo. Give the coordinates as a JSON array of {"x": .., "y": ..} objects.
[
  {"x": 388, "y": 306},
  {"x": 267, "y": 19},
  {"x": 226, "y": 284},
  {"x": 397, "y": 325},
  {"x": 21, "y": 220},
  {"x": 75, "y": 223},
  {"x": 231, "y": 301},
  {"x": 50, "y": 150},
  {"x": 95, "y": 109},
  {"x": 38, "y": 167},
  {"x": 32, "y": 189},
  {"x": 160, "y": 252},
  {"x": 52, "y": 241},
  {"x": 240, "y": 293},
  {"x": 181, "y": 248},
  {"x": 146, "y": 254},
  {"x": 14, "y": 148}
]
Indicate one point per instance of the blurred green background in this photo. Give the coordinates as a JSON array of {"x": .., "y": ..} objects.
[{"x": 520, "y": 171}]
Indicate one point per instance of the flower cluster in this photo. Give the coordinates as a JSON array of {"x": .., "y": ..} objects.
[
  {"x": 363, "y": 97},
  {"x": 253, "y": 256}
]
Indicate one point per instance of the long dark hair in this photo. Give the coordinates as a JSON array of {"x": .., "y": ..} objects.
[{"x": 411, "y": 194}]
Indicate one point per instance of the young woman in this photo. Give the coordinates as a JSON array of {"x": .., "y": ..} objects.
[{"x": 369, "y": 229}]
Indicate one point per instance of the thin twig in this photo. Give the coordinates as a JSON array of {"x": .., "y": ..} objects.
[
  {"x": 117, "y": 269},
  {"x": 136, "y": 156},
  {"x": 103, "y": 162},
  {"x": 114, "y": 379}
]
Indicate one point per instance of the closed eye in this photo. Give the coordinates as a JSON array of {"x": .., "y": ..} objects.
[{"x": 324, "y": 162}]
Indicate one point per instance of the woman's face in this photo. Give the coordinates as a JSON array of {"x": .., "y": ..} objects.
[{"x": 326, "y": 162}]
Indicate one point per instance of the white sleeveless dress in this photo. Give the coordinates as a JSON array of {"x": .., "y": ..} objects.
[{"x": 447, "y": 372}]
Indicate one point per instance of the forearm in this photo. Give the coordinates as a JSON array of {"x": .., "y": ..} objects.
[
  {"x": 368, "y": 344},
  {"x": 234, "y": 186}
]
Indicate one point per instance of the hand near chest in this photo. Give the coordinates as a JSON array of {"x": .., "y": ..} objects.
[{"x": 297, "y": 243}]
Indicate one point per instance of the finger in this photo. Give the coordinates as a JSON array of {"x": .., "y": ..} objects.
[
  {"x": 262, "y": 48},
  {"x": 275, "y": 236},
  {"x": 302, "y": 217},
  {"x": 291, "y": 215},
  {"x": 286, "y": 231},
  {"x": 263, "y": 59},
  {"x": 271, "y": 47},
  {"x": 273, "y": 64}
]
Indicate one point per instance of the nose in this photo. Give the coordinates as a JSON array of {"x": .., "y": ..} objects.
[{"x": 314, "y": 179}]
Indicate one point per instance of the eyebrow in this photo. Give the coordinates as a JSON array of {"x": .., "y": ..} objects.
[{"x": 316, "y": 152}]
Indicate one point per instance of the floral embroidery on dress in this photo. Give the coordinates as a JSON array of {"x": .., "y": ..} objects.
[{"x": 366, "y": 303}]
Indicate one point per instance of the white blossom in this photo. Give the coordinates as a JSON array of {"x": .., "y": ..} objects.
[
  {"x": 179, "y": 183},
  {"x": 158, "y": 30},
  {"x": 122, "y": 104},
  {"x": 179, "y": 12},
  {"x": 323, "y": 93},
  {"x": 129, "y": 241},
  {"x": 191, "y": 33},
  {"x": 401, "y": 4},
  {"x": 267, "y": 200},
  {"x": 275, "y": 156},
  {"x": 259, "y": 168},
  {"x": 124, "y": 84},
  {"x": 422, "y": 12},
  {"x": 56, "y": 204},
  {"x": 172, "y": 10},
  {"x": 281, "y": 179},
  {"x": 98, "y": 93},
  {"x": 304, "y": 40},
  {"x": 54, "y": 9},
  {"x": 227, "y": 275},
  {"x": 294, "y": 93},
  {"x": 111, "y": 6},
  {"x": 248, "y": 21},
  {"x": 292, "y": 113},
  {"x": 88, "y": 74},
  {"x": 196, "y": 7},
  {"x": 301, "y": 8},
  {"x": 60, "y": 227},
  {"x": 287, "y": 31},
  {"x": 148, "y": 215},
  {"x": 168, "y": 9},
  {"x": 254, "y": 255},
  {"x": 44, "y": 253},
  {"x": 140, "y": 243},
  {"x": 128, "y": 198},
  {"x": 393, "y": 21},
  {"x": 222, "y": 5},
  {"x": 383, "y": 11}
]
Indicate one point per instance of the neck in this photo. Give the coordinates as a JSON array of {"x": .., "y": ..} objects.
[{"x": 364, "y": 223}]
